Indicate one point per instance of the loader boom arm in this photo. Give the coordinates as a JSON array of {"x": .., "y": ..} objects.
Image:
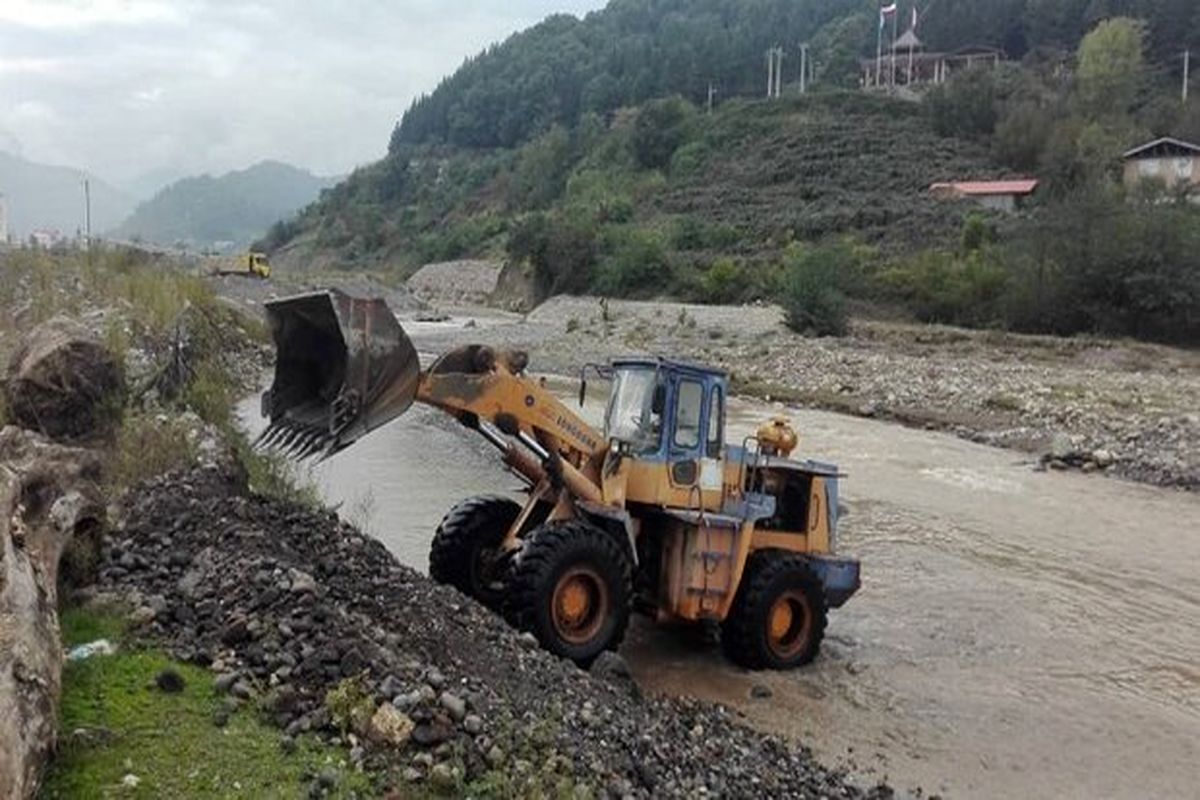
[{"x": 566, "y": 449}]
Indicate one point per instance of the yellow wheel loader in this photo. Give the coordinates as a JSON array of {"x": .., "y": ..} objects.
[{"x": 654, "y": 513}]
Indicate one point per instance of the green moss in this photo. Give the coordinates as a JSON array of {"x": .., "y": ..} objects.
[{"x": 116, "y": 723}]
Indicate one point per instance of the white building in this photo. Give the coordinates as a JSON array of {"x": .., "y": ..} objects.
[{"x": 1173, "y": 164}]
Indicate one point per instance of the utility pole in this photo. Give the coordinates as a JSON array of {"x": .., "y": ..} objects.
[
  {"x": 803, "y": 67},
  {"x": 770, "y": 73},
  {"x": 1187, "y": 68},
  {"x": 774, "y": 73},
  {"x": 778, "y": 72},
  {"x": 87, "y": 217}
]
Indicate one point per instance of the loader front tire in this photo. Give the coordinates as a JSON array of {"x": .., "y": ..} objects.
[
  {"x": 572, "y": 588},
  {"x": 464, "y": 550},
  {"x": 778, "y": 617}
]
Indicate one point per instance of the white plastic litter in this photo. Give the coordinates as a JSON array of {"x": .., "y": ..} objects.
[{"x": 100, "y": 647}]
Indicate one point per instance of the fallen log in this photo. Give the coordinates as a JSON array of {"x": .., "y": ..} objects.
[{"x": 47, "y": 497}]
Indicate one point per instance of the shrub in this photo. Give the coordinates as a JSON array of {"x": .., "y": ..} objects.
[
  {"x": 561, "y": 251},
  {"x": 948, "y": 288},
  {"x": 724, "y": 282},
  {"x": 638, "y": 265},
  {"x": 814, "y": 286},
  {"x": 689, "y": 159},
  {"x": 661, "y": 127}
]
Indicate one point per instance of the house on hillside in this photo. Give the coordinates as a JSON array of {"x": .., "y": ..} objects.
[
  {"x": 908, "y": 63},
  {"x": 1171, "y": 163},
  {"x": 1004, "y": 196}
]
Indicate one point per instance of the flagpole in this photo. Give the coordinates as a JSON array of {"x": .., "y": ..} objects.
[
  {"x": 895, "y": 16},
  {"x": 879, "y": 52},
  {"x": 912, "y": 44}
]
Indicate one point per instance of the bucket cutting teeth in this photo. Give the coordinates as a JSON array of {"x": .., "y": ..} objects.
[{"x": 344, "y": 366}]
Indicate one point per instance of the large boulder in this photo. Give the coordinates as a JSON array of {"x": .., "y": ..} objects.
[{"x": 64, "y": 383}]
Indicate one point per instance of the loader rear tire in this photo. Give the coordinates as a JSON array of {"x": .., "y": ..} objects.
[
  {"x": 572, "y": 588},
  {"x": 464, "y": 550},
  {"x": 779, "y": 615}
]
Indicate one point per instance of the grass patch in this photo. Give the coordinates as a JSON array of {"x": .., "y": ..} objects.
[
  {"x": 148, "y": 445},
  {"x": 169, "y": 741},
  {"x": 80, "y": 626}
]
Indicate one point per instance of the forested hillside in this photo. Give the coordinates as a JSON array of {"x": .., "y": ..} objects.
[
  {"x": 635, "y": 50},
  {"x": 650, "y": 202},
  {"x": 818, "y": 199},
  {"x": 233, "y": 209}
]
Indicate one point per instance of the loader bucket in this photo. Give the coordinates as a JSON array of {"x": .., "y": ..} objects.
[{"x": 343, "y": 367}]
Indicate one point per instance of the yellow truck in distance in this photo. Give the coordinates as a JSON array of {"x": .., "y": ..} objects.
[{"x": 254, "y": 265}]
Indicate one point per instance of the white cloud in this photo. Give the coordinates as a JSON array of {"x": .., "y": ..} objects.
[
  {"x": 125, "y": 88},
  {"x": 50, "y": 14}
]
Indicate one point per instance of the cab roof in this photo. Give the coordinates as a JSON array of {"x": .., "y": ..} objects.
[{"x": 669, "y": 364}]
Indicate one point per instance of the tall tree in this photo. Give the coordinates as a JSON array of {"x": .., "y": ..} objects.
[{"x": 1112, "y": 67}]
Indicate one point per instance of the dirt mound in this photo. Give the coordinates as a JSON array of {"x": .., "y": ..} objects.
[
  {"x": 289, "y": 603},
  {"x": 63, "y": 383},
  {"x": 455, "y": 281}
]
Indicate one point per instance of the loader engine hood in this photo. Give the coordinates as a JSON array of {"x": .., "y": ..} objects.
[{"x": 344, "y": 366}]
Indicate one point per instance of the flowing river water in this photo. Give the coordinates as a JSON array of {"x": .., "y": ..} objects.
[{"x": 1017, "y": 633}]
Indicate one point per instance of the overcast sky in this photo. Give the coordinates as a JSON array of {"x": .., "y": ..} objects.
[{"x": 130, "y": 87}]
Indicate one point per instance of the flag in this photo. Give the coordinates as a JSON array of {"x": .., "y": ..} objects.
[{"x": 884, "y": 13}]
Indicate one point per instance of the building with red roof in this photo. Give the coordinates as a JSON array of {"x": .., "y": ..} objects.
[{"x": 1005, "y": 195}]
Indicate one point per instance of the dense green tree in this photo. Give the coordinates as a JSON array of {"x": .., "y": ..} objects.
[
  {"x": 661, "y": 127},
  {"x": 1111, "y": 64}
]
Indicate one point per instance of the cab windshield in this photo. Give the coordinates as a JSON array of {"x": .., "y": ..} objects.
[{"x": 631, "y": 419}]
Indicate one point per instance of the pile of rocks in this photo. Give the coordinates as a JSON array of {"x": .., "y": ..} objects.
[{"x": 329, "y": 633}]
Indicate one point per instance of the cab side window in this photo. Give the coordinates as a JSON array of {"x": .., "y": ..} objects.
[
  {"x": 688, "y": 410},
  {"x": 716, "y": 418}
]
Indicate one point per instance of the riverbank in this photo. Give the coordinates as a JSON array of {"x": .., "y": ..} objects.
[
  {"x": 321, "y": 628},
  {"x": 236, "y": 606}
]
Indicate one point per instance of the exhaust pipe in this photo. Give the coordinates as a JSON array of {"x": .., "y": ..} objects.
[{"x": 343, "y": 367}]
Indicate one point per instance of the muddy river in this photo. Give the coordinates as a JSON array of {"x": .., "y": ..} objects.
[{"x": 1017, "y": 634}]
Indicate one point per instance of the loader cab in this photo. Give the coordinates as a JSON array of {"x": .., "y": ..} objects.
[
  {"x": 670, "y": 412},
  {"x": 258, "y": 264}
]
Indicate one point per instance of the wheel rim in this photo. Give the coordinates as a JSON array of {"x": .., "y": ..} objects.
[
  {"x": 579, "y": 605},
  {"x": 788, "y": 624}
]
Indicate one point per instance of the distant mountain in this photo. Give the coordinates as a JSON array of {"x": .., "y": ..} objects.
[
  {"x": 45, "y": 197},
  {"x": 147, "y": 184},
  {"x": 231, "y": 210}
]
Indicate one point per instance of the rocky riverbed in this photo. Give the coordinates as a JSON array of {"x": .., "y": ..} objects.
[
  {"x": 1124, "y": 408},
  {"x": 286, "y": 604}
]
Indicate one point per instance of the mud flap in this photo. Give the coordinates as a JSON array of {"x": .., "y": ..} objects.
[{"x": 839, "y": 577}]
